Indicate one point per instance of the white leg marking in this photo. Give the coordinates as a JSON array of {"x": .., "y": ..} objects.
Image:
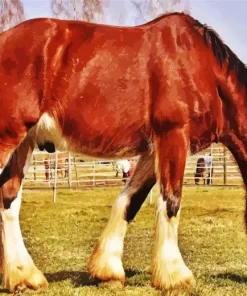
[
  {"x": 106, "y": 260},
  {"x": 169, "y": 269},
  {"x": 18, "y": 267}
]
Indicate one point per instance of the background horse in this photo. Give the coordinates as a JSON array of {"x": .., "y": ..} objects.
[
  {"x": 62, "y": 166},
  {"x": 123, "y": 166},
  {"x": 201, "y": 171},
  {"x": 108, "y": 91},
  {"x": 49, "y": 166},
  {"x": 204, "y": 170}
]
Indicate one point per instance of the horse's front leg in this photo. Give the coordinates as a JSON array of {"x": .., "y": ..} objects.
[
  {"x": 168, "y": 268},
  {"x": 106, "y": 260},
  {"x": 19, "y": 271}
]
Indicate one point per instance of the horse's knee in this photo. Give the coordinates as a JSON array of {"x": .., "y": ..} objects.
[
  {"x": 172, "y": 202},
  {"x": 9, "y": 195},
  {"x": 10, "y": 183},
  {"x": 7, "y": 201}
]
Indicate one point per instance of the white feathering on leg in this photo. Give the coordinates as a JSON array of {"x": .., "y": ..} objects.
[{"x": 169, "y": 269}]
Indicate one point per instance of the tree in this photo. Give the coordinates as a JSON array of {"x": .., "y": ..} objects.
[
  {"x": 87, "y": 10},
  {"x": 115, "y": 12},
  {"x": 147, "y": 10},
  {"x": 11, "y": 13},
  {"x": 142, "y": 10}
]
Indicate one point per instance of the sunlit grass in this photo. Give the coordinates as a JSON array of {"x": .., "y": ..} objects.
[{"x": 60, "y": 238}]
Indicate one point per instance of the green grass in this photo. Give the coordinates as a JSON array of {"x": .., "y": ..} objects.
[{"x": 61, "y": 236}]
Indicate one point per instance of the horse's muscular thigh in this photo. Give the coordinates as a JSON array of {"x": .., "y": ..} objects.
[{"x": 168, "y": 112}]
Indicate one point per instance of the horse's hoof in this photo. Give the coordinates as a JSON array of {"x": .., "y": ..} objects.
[{"x": 18, "y": 278}]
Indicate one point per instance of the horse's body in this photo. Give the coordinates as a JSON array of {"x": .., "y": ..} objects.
[{"x": 157, "y": 90}]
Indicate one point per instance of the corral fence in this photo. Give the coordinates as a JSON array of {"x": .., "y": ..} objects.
[{"x": 67, "y": 170}]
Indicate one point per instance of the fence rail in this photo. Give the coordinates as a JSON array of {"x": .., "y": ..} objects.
[{"x": 73, "y": 170}]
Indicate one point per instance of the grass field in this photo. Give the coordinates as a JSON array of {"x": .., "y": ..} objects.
[{"x": 61, "y": 236}]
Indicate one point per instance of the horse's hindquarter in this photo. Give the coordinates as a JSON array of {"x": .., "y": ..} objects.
[
  {"x": 186, "y": 92},
  {"x": 101, "y": 91},
  {"x": 21, "y": 75}
]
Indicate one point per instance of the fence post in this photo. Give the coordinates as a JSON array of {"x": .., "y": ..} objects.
[
  {"x": 211, "y": 164},
  {"x": 76, "y": 172},
  {"x": 151, "y": 196},
  {"x": 69, "y": 172},
  {"x": 94, "y": 171},
  {"x": 224, "y": 164},
  {"x": 34, "y": 168},
  {"x": 55, "y": 180},
  {"x": 49, "y": 169}
]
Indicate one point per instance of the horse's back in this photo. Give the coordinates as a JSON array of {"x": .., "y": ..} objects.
[{"x": 94, "y": 82}]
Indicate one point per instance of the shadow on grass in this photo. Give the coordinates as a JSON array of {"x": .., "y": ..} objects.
[
  {"x": 231, "y": 276},
  {"x": 79, "y": 279}
]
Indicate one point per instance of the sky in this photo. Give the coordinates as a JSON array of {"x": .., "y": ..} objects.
[{"x": 226, "y": 17}]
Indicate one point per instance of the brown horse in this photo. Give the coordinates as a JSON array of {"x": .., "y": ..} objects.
[
  {"x": 204, "y": 170},
  {"x": 48, "y": 168},
  {"x": 156, "y": 90},
  {"x": 62, "y": 166},
  {"x": 201, "y": 171}
]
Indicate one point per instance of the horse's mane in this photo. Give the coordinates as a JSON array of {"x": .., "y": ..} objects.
[{"x": 223, "y": 53}]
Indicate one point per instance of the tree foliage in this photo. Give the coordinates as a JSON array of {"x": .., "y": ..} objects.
[
  {"x": 87, "y": 10},
  {"x": 147, "y": 10},
  {"x": 116, "y": 12},
  {"x": 11, "y": 13}
]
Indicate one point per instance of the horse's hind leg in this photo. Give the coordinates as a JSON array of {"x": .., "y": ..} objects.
[
  {"x": 106, "y": 260},
  {"x": 168, "y": 268},
  {"x": 19, "y": 271}
]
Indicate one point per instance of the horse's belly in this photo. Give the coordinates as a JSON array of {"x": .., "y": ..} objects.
[{"x": 108, "y": 146}]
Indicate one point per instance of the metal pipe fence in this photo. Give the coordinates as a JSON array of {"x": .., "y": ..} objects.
[{"x": 66, "y": 170}]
